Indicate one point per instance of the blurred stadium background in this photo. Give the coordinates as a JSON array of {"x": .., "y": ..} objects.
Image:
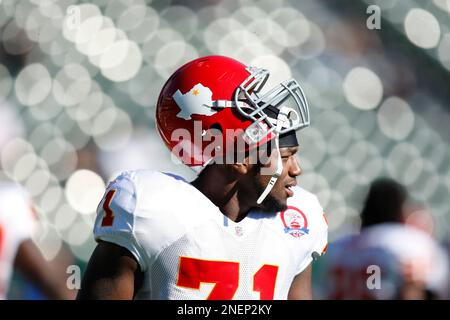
[{"x": 79, "y": 82}]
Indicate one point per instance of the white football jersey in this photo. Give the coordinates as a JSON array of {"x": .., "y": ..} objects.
[
  {"x": 399, "y": 252},
  {"x": 188, "y": 249},
  {"x": 17, "y": 223}
]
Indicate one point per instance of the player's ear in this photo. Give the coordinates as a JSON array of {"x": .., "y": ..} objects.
[
  {"x": 239, "y": 164},
  {"x": 240, "y": 168}
]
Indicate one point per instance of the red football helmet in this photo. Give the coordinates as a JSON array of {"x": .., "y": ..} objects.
[{"x": 220, "y": 94}]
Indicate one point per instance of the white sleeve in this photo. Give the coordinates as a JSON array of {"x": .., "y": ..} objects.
[
  {"x": 26, "y": 225},
  {"x": 116, "y": 218},
  {"x": 319, "y": 242},
  {"x": 22, "y": 215},
  {"x": 438, "y": 280}
]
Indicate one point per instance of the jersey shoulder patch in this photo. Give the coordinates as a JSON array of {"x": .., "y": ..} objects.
[{"x": 308, "y": 206}]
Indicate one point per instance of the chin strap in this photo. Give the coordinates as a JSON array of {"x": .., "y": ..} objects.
[
  {"x": 274, "y": 177},
  {"x": 281, "y": 119}
]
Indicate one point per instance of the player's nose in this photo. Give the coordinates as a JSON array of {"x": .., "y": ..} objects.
[{"x": 294, "y": 168}]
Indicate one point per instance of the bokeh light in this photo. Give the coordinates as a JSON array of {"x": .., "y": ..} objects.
[
  {"x": 363, "y": 88},
  {"x": 422, "y": 28},
  {"x": 84, "y": 189},
  {"x": 33, "y": 84},
  {"x": 395, "y": 118}
]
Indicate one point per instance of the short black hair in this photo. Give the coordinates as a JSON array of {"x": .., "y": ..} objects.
[{"x": 384, "y": 202}]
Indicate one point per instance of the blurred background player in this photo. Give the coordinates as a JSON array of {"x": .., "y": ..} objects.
[
  {"x": 18, "y": 251},
  {"x": 410, "y": 261}
]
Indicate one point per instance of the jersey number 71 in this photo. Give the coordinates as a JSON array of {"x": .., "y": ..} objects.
[{"x": 225, "y": 275}]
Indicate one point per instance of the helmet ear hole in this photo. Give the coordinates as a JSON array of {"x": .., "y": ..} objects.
[{"x": 216, "y": 126}]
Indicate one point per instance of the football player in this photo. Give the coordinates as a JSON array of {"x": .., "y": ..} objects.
[
  {"x": 242, "y": 229},
  {"x": 17, "y": 249},
  {"x": 389, "y": 259}
]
